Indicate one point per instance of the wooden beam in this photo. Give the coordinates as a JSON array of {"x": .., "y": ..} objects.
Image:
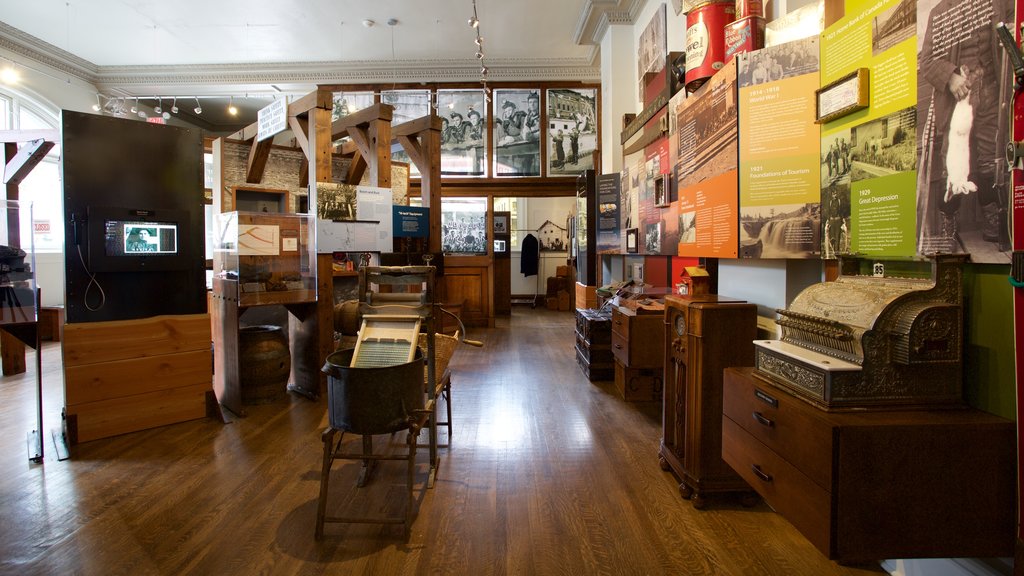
[
  {"x": 411, "y": 145},
  {"x": 25, "y": 160},
  {"x": 259, "y": 152},
  {"x": 300, "y": 126},
  {"x": 316, "y": 99},
  {"x": 361, "y": 139},
  {"x": 320, "y": 145},
  {"x": 29, "y": 135},
  {"x": 304, "y": 173},
  {"x": 341, "y": 126},
  {"x": 416, "y": 126},
  {"x": 356, "y": 169},
  {"x": 348, "y": 148}
]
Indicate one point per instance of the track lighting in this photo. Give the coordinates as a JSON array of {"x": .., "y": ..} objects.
[
  {"x": 135, "y": 107},
  {"x": 231, "y": 106},
  {"x": 97, "y": 106},
  {"x": 174, "y": 106},
  {"x": 474, "y": 22},
  {"x": 198, "y": 109},
  {"x": 159, "y": 106}
]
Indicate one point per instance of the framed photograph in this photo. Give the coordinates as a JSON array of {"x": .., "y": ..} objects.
[
  {"x": 517, "y": 132},
  {"x": 843, "y": 96},
  {"x": 632, "y": 241},
  {"x": 500, "y": 224},
  {"x": 572, "y": 130},
  {"x": 661, "y": 190},
  {"x": 463, "y": 132}
]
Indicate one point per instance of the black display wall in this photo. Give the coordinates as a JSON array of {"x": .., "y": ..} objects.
[{"x": 121, "y": 176}]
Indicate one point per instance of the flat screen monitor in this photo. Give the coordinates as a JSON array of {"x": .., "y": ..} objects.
[{"x": 127, "y": 240}]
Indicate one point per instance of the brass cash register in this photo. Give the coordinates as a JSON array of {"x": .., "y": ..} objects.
[{"x": 866, "y": 341}]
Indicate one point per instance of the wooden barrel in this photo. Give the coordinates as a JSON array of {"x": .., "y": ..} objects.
[{"x": 264, "y": 363}]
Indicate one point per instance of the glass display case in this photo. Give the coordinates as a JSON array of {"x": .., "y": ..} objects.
[
  {"x": 17, "y": 266},
  {"x": 265, "y": 258}
]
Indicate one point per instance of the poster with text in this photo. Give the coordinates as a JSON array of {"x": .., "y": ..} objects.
[
  {"x": 865, "y": 156},
  {"x": 703, "y": 130},
  {"x": 608, "y": 230},
  {"x": 780, "y": 215},
  {"x": 964, "y": 87},
  {"x": 707, "y": 218}
]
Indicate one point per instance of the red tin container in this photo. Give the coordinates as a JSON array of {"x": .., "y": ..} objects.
[
  {"x": 744, "y": 35},
  {"x": 745, "y": 8},
  {"x": 705, "y": 41}
]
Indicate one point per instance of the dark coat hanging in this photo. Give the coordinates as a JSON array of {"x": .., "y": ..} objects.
[{"x": 530, "y": 256}]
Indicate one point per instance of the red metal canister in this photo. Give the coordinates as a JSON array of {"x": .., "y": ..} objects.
[
  {"x": 744, "y": 35},
  {"x": 745, "y": 8},
  {"x": 705, "y": 41}
]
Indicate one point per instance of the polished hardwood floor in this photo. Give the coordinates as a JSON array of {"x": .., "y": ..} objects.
[{"x": 547, "y": 473}]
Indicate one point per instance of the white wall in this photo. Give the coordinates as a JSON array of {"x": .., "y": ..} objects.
[{"x": 539, "y": 210}]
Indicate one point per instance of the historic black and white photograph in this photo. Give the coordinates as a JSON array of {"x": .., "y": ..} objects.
[
  {"x": 652, "y": 48},
  {"x": 572, "y": 130},
  {"x": 893, "y": 26},
  {"x": 463, "y": 232},
  {"x": 463, "y": 132},
  {"x": 517, "y": 132},
  {"x": 882, "y": 146},
  {"x": 346, "y": 103},
  {"x": 652, "y": 238},
  {"x": 552, "y": 237},
  {"x": 335, "y": 201},
  {"x": 963, "y": 76},
  {"x": 778, "y": 62}
]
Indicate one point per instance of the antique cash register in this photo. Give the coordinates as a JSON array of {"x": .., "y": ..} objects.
[{"x": 865, "y": 341}]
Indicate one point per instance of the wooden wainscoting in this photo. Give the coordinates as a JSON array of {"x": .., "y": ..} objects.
[
  {"x": 467, "y": 280},
  {"x": 131, "y": 375}
]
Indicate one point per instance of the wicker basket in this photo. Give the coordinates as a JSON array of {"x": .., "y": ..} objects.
[{"x": 444, "y": 349}]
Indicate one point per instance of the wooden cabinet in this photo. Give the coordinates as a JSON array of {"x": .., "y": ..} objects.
[
  {"x": 637, "y": 345},
  {"x": 703, "y": 335},
  {"x": 877, "y": 484}
]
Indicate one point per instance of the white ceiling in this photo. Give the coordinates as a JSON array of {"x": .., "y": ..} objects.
[{"x": 262, "y": 47}]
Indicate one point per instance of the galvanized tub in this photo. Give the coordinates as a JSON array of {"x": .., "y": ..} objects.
[{"x": 372, "y": 400}]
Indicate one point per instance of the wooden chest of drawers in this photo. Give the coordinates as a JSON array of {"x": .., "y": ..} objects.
[
  {"x": 872, "y": 485},
  {"x": 703, "y": 335},
  {"x": 638, "y": 348}
]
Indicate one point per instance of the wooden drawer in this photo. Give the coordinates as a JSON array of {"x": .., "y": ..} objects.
[
  {"x": 620, "y": 323},
  {"x": 791, "y": 493},
  {"x": 781, "y": 422}
]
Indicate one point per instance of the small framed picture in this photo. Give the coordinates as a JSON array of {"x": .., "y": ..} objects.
[
  {"x": 661, "y": 190},
  {"x": 500, "y": 224},
  {"x": 843, "y": 96},
  {"x": 632, "y": 241}
]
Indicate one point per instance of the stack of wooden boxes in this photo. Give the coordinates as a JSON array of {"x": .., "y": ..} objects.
[
  {"x": 594, "y": 344},
  {"x": 557, "y": 294},
  {"x": 638, "y": 336}
]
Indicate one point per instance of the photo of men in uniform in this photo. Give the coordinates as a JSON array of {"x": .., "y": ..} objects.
[
  {"x": 517, "y": 132},
  {"x": 463, "y": 150}
]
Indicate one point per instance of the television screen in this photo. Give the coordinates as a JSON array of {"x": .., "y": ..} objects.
[{"x": 131, "y": 238}]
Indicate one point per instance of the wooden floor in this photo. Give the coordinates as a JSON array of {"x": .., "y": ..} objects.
[{"x": 547, "y": 473}]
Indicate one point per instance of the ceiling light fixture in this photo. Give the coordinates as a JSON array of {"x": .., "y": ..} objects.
[
  {"x": 174, "y": 106},
  {"x": 198, "y": 109},
  {"x": 474, "y": 22},
  {"x": 9, "y": 75},
  {"x": 232, "y": 109},
  {"x": 135, "y": 107},
  {"x": 159, "y": 106},
  {"x": 97, "y": 106}
]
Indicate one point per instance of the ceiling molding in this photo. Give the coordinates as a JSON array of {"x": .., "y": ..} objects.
[
  {"x": 239, "y": 78},
  {"x": 32, "y": 48},
  {"x": 597, "y": 15}
]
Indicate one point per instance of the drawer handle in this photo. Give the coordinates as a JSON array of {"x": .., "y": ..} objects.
[
  {"x": 761, "y": 473},
  {"x": 762, "y": 420}
]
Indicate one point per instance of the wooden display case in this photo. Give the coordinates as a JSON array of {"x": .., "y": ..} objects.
[
  {"x": 870, "y": 485},
  {"x": 703, "y": 336}
]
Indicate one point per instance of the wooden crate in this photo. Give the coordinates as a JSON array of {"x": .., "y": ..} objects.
[
  {"x": 131, "y": 375},
  {"x": 586, "y": 296},
  {"x": 638, "y": 384}
]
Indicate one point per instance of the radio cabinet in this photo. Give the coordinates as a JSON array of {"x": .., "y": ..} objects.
[
  {"x": 703, "y": 335},
  {"x": 869, "y": 485}
]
